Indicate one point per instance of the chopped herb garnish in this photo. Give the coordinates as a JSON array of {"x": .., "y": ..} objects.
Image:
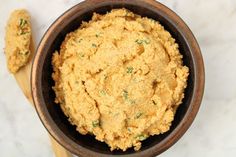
[
  {"x": 24, "y": 52},
  {"x": 79, "y": 40},
  {"x": 142, "y": 41},
  {"x": 129, "y": 70},
  {"x": 125, "y": 94},
  {"x": 81, "y": 55},
  {"x": 22, "y": 32},
  {"x": 138, "y": 115},
  {"x": 22, "y": 23},
  {"x": 102, "y": 92},
  {"x": 138, "y": 41},
  {"x": 141, "y": 137},
  {"x": 95, "y": 123},
  {"x": 146, "y": 41},
  {"x": 94, "y": 45},
  {"x": 154, "y": 102},
  {"x": 97, "y": 35},
  {"x": 129, "y": 129},
  {"x": 105, "y": 76},
  {"x": 132, "y": 101}
]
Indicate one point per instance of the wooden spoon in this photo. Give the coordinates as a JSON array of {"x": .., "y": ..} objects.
[{"x": 23, "y": 79}]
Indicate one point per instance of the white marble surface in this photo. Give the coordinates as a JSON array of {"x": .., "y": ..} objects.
[{"x": 213, "y": 133}]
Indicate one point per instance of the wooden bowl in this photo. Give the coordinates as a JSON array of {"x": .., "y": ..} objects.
[{"x": 52, "y": 116}]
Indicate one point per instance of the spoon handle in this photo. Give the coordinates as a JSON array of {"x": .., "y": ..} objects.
[{"x": 23, "y": 80}]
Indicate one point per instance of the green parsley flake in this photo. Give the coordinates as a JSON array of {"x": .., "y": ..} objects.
[
  {"x": 94, "y": 45},
  {"x": 22, "y": 32},
  {"x": 125, "y": 94},
  {"x": 99, "y": 34},
  {"x": 102, "y": 92},
  {"x": 141, "y": 137},
  {"x": 129, "y": 70},
  {"x": 138, "y": 115},
  {"x": 81, "y": 55},
  {"x": 142, "y": 41},
  {"x": 154, "y": 102},
  {"x": 95, "y": 123},
  {"x": 138, "y": 41},
  {"x": 105, "y": 76},
  {"x": 132, "y": 101},
  {"x": 22, "y": 23},
  {"x": 24, "y": 53},
  {"x": 78, "y": 40}
]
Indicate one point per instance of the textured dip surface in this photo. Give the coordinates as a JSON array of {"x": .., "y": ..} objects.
[
  {"x": 119, "y": 77},
  {"x": 17, "y": 40}
]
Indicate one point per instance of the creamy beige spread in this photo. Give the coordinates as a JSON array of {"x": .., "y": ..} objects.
[
  {"x": 119, "y": 77},
  {"x": 17, "y": 40}
]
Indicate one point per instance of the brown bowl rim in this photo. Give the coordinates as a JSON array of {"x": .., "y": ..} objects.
[{"x": 174, "y": 136}]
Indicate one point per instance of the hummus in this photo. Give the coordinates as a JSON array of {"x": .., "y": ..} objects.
[
  {"x": 17, "y": 40},
  {"x": 119, "y": 77}
]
